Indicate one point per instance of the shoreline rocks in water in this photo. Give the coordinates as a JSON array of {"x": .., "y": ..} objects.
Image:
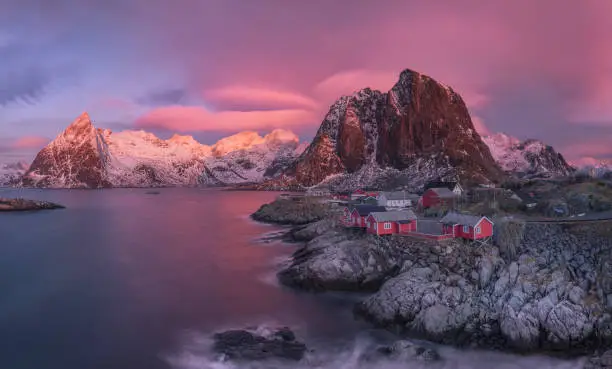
[
  {"x": 340, "y": 261},
  {"x": 26, "y": 205},
  {"x": 289, "y": 211},
  {"x": 248, "y": 345},
  {"x": 554, "y": 294}
]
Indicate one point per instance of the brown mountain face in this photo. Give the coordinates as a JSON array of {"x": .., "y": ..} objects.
[
  {"x": 418, "y": 119},
  {"x": 75, "y": 159}
]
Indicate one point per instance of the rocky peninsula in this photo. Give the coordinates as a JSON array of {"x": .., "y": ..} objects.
[
  {"x": 26, "y": 205},
  {"x": 537, "y": 288}
]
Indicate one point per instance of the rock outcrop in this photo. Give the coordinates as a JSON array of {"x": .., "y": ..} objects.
[
  {"x": 337, "y": 261},
  {"x": 292, "y": 212},
  {"x": 248, "y": 345},
  {"x": 420, "y": 126},
  {"x": 26, "y": 205},
  {"x": 552, "y": 293}
]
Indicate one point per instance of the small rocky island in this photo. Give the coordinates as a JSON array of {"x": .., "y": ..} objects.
[
  {"x": 537, "y": 288},
  {"x": 26, "y": 205}
]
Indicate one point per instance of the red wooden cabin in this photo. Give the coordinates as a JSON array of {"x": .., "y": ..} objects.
[
  {"x": 359, "y": 213},
  {"x": 391, "y": 222},
  {"x": 465, "y": 226},
  {"x": 438, "y": 197}
]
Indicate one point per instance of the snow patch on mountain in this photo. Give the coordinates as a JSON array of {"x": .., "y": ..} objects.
[{"x": 529, "y": 158}]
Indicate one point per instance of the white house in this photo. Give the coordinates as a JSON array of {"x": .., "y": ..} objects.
[{"x": 398, "y": 199}]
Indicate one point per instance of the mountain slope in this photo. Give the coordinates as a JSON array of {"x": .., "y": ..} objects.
[
  {"x": 75, "y": 159},
  {"x": 85, "y": 157},
  {"x": 420, "y": 130},
  {"x": 530, "y": 158},
  {"x": 10, "y": 173}
]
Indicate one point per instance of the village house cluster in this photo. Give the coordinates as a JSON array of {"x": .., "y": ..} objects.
[{"x": 393, "y": 213}]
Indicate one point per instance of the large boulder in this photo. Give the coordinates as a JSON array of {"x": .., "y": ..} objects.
[
  {"x": 248, "y": 345},
  {"x": 338, "y": 262},
  {"x": 313, "y": 230}
]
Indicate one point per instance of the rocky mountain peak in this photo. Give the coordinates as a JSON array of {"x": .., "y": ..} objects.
[
  {"x": 75, "y": 158},
  {"x": 82, "y": 125},
  {"x": 419, "y": 122}
]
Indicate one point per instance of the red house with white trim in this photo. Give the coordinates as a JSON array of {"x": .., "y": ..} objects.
[
  {"x": 359, "y": 213},
  {"x": 391, "y": 222},
  {"x": 438, "y": 197},
  {"x": 466, "y": 226}
]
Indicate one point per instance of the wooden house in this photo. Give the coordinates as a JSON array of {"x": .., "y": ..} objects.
[
  {"x": 466, "y": 226},
  {"x": 438, "y": 197},
  {"x": 360, "y": 212},
  {"x": 453, "y": 186},
  {"x": 398, "y": 199},
  {"x": 391, "y": 222}
]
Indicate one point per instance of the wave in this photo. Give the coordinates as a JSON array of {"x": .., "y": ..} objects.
[{"x": 196, "y": 354}]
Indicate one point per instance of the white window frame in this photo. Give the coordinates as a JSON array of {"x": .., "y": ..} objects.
[
  {"x": 477, "y": 230},
  {"x": 466, "y": 229},
  {"x": 387, "y": 225}
]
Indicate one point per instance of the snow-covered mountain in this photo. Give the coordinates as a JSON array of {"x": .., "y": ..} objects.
[
  {"x": 594, "y": 168},
  {"x": 418, "y": 131},
  {"x": 86, "y": 157},
  {"x": 10, "y": 173},
  {"x": 530, "y": 158}
]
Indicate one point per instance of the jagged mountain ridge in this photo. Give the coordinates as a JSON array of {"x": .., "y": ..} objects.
[
  {"x": 530, "y": 158},
  {"x": 420, "y": 130},
  {"x": 87, "y": 157}
]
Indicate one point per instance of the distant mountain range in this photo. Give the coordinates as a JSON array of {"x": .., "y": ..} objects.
[
  {"x": 84, "y": 156},
  {"x": 418, "y": 131}
]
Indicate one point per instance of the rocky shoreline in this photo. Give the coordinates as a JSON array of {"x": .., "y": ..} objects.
[
  {"x": 287, "y": 211},
  {"x": 26, "y": 205},
  {"x": 551, "y": 293}
]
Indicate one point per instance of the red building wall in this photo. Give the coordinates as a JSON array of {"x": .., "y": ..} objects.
[
  {"x": 407, "y": 228},
  {"x": 430, "y": 198},
  {"x": 486, "y": 229},
  {"x": 355, "y": 217},
  {"x": 381, "y": 227}
]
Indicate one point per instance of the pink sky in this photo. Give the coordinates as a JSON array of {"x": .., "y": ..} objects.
[{"x": 540, "y": 69}]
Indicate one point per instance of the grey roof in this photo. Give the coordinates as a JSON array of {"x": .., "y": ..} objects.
[
  {"x": 462, "y": 219},
  {"x": 399, "y": 195},
  {"x": 365, "y": 209},
  {"x": 443, "y": 192},
  {"x": 429, "y": 226},
  {"x": 393, "y": 216}
]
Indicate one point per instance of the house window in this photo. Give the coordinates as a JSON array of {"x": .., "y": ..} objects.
[
  {"x": 387, "y": 225},
  {"x": 477, "y": 230},
  {"x": 466, "y": 229}
]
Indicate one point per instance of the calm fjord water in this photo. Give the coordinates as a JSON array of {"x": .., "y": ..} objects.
[{"x": 124, "y": 279}]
